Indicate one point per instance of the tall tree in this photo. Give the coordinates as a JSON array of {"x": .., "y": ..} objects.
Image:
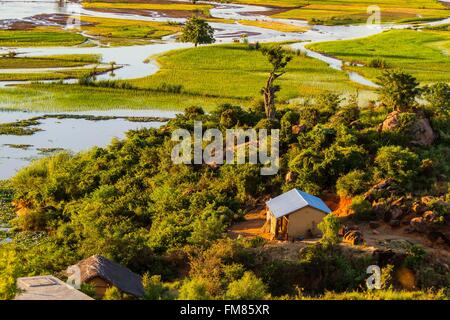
[
  {"x": 278, "y": 58},
  {"x": 398, "y": 90},
  {"x": 197, "y": 31}
]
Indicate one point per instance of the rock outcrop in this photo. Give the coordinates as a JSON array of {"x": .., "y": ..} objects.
[{"x": 419, "y": 130}]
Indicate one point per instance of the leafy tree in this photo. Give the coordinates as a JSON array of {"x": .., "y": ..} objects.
[
  {"x": 398, "y": 90},
  {"x": 205, "y": 231},
  {"x": 197, "y": 31},
  {"x": 396, "y": 162},
  {"x": 154, "y": 288},
  {"x": 438, "y": 96},
  {"x": 278, "y": 58},
  {"x": 287, "y": 121},
  {"x": 12, "y": 268},
  {"x": 329, "y": 227},
  {"x": 194, "y": 289},
  {"x": 249, "y": 287}
]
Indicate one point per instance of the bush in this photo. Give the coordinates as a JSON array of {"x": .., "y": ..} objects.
[
  {"x": 206, "y": 231},
  {"x": 329, "y": 227},
  {"x": 249, "y": 287},
  {"x": 194, "y": 289},
  {"x": 416, "y": 256},
  {"x": 398, "y": 163},
  {"x": 361, "y": 208},
  {"x": 154, "y": 288},
  {"x": 353, "y": 183},
  {"x": 112, "y": 293},
  {"x": 398, "y": 90},
  {"x": 378, "y": 63}
]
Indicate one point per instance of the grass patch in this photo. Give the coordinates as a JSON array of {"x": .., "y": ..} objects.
[
  {"x": 426, "y": 54},
  {"x": 39, "y": 37},
  {"x": 206, "y": 76},
  {"x": 127, "y": 32},
  {"x": 337, "y": 12},
  {"x": 51, "y": 75},
  {"x": 235, "y": 72},
  {"x": 149, "y": 6},
  {"x": 58, "y": 97},
  {"x": 57, "y": 61},
  {"x": 279, "y": 26},
  {"x": 19, "y": 128}
]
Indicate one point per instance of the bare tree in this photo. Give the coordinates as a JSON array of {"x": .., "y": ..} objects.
[{"x": 278, "y": 58}]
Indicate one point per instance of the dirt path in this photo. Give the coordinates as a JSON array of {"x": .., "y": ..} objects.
[{"x": 252, "y": 226}]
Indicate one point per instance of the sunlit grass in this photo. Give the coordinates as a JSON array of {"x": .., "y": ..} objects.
[
  {"x": 39, "y": 37},
  {"x": 424, "y": 54},
  {"x": 348, "y": 11},
  {"x": 56, "y": 97},
  {"x": 122, "y": 32},
  {"x": 283, "y": 27},
  {"x": 56, "y": 61},
  {"x": 148, "y": 6},
  {"x": 383, "y": 295},
  {"x": 50, "y": 75},
  {"x": 234, "y": 71}
]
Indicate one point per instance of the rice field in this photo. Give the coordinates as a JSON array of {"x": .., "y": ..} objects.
[
  {"x": 61, "y": 97},
  {"x": 149, "y": 6},
  {"x": 127, "y": 32},
  {"x": 206, "y": 76},
  {"x": 55, "y": 61},
  {"x": 51, "y": 75},
  {"x": 424, "y": 54},
  {"x": 236, "y": 72},
  {"x": 337, "y": 12},
  {"x": 40, "y": 37}
]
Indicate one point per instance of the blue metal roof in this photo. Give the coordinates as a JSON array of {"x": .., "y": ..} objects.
[{"x": 294, "y": 200}]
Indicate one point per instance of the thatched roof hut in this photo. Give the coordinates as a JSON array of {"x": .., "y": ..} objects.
[{"x": 103, "y": 273}]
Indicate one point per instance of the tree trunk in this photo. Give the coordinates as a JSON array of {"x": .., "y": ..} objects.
[{"x": 268, "y": 98}]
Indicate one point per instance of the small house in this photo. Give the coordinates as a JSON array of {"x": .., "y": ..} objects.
[
  {"x": 102, "y": 274},
  {"x": 47, "y": 288},
  {"x": 295, "y": 214}
]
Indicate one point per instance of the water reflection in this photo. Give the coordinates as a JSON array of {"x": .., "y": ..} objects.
[{"x": 70, "y": 134}]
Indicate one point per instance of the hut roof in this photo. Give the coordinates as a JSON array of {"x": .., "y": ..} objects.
[
  {"x": 117, "y": 275},
  {"x": 294, "y": 200}
]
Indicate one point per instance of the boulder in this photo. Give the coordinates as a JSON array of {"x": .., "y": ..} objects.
[
  {"x": 354, "y": 237},
  {"x": 426, "y": 200},
  {"x": 297, "y": 129},
  {"x": 380, "y": 188},
  {"x": 379, "y": 209},
  {"x": 396, "y": 213},
  {"x": 391, "y": 122},
  {"x": 420, "y": 130},
  {"x": 429, "y": 216},
  {"x": 419, "y": 225},
  {"x": 419, "y": 208}
]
